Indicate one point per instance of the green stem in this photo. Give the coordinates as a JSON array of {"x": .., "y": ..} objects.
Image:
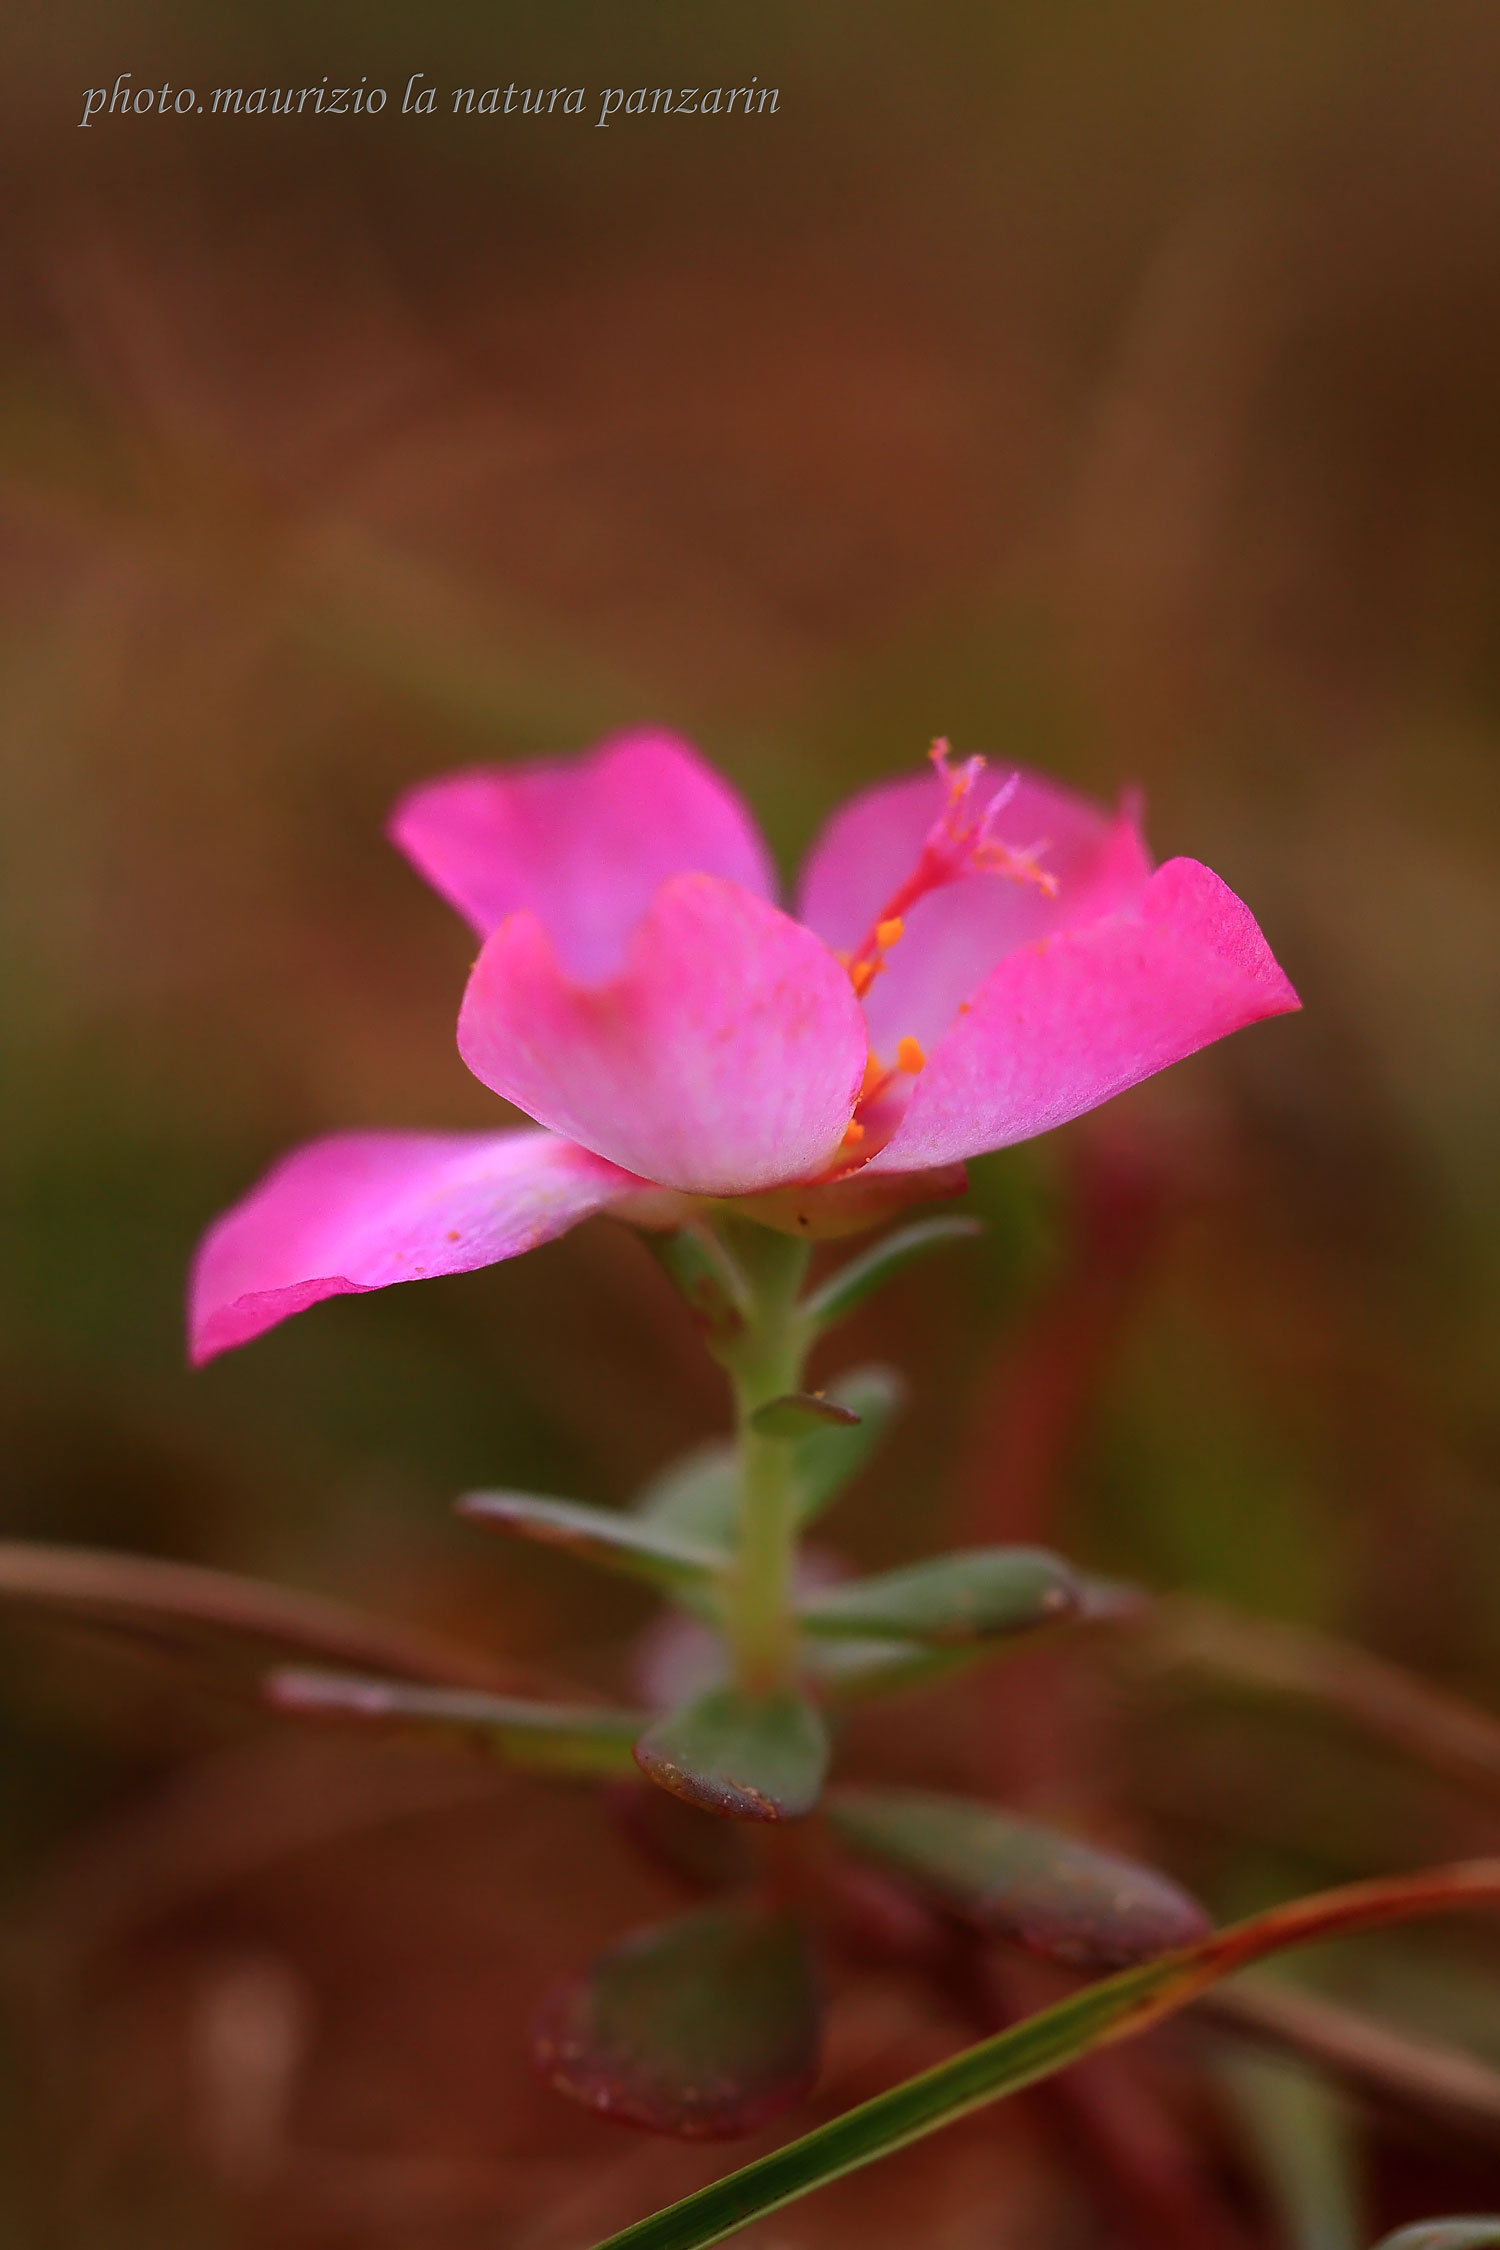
[{"x": 764, "y": 1361}]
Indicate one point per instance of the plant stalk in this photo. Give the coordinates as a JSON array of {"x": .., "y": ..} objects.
[{"x": 764, "y": 1361}]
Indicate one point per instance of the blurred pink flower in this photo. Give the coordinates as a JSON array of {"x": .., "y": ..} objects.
[{"x": 676, "y": 1035}]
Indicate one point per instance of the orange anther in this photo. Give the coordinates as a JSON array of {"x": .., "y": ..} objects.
[
  {"x": 875, "y": 1075},
  {"x": 886, "y": 933},
  {"x": 909, "y": 1056},
  {"x": 853, "y": 1135},
  {"x": 862, "y": 975}
]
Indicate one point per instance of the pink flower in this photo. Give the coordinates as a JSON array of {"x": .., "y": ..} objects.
[{"x": 969, "y": 965}]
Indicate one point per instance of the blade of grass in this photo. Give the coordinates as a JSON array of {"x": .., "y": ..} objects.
[{"x": 1115, "y": 2009}]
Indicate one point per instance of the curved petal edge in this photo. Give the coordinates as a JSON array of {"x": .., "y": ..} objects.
[
  {"x": 359, "y": 1211},
  {"x": 1067, "y": 1022},
  {"x": 583, "y": 841}
]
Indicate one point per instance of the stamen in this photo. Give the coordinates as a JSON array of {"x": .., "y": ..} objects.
[
  {"x": 961, "y": 841},
  {"x": 875, "y": 1076},
  {"x": 909, "y": 1056},
  {"x": 853, "y": 1135}
]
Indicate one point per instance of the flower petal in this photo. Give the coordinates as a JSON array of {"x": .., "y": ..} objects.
[
  {"x": 1070, "y": 1020},
  {"x": 583, "y": 841},
  {"x": 357, "y": 1211},
  {"x": 955, "y": 936},
  {"x": 724, "y": 1057}
]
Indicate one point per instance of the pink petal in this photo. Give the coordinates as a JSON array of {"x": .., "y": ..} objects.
[
  {"x": 955, "y": 936},
  {"x": 724, "y": 1057},
  {"x": 1068, "y": 1021},
  {"x": 357, "y": 1211},
  {"x": 582, "y": 841}
]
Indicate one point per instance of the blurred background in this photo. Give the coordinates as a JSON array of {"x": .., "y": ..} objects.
[{"x": 1108, "y": 386}]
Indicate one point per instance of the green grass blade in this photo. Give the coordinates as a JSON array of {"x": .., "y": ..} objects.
[{"x": 1115, "y": 2009}]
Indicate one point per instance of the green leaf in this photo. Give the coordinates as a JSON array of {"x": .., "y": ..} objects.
[
  {"x": 608, "y": 1536},
  {"x": 800, "y": 1414},
  {"x": 560, "y": 1737},
  {"x": 698, "y": 1497},
  {"x": 1116, "y": 2009},
  {"x": 749, "y": 1758},
  {"x": 846, "y": 1668},
  {"x": 1445, "y": 2234},
  {"x": 863, "y": 1275},
  {"x": 1013, "y": 1879},
  {"x": 854, "y": 1668},
  {"x": 706, "y": 2027},
  {"x": 829, "y": 1457},
  {"x": 976, "y": 1594}
]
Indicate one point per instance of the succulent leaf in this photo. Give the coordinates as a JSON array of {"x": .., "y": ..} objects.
[
  {"x": 976, "y": 1594},
  {"x": 746, "y": 1757},
  {"x": 697, "y": 1497},
  {"x": 705, "y": 2027},
  {"x": 1014, "y": 1879},
  {"x": 627, "y": 1543},
  {"x": 562, "y": 1738}
]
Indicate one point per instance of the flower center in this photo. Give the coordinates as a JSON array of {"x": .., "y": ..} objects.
[{"x": 961, "y": 841}]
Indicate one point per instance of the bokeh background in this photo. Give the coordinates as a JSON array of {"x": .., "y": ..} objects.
[{"x": 1108, "y": 385}]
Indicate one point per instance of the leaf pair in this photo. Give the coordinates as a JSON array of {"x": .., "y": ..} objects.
[
  {"x": 680, "y": 1536},
  {"x": 709, "y": 2025}
]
